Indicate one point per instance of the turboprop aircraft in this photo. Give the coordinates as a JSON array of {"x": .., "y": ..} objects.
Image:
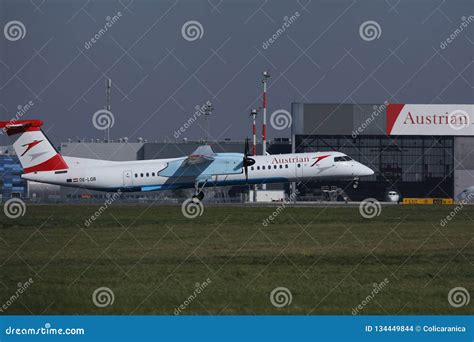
[{"x": 42, "y": 163}]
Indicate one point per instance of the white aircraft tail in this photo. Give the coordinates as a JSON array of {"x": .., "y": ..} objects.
[{"x": 35, "y": 151}]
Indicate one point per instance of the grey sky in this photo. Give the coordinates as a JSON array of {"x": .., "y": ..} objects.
[{"x": 159, "y": 77}]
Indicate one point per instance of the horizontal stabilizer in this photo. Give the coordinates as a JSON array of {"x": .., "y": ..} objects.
[{"x": 20, "y": 126}]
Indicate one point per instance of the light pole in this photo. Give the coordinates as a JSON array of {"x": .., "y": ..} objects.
[
  {"x": 208, "y": 112},
  {"x": 108, "y": 86},
  {"x": 253, "y": 113},
  {"x": 265, "y": 75}
]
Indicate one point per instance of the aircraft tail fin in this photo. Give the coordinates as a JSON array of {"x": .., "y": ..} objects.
[{"x": 33, "y": 148}]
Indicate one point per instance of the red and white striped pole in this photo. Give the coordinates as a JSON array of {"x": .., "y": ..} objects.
[
  {"x": 254, "y": 147},
  {"x": 265, "y": 75},
  {"x": 254, "y": 131}
]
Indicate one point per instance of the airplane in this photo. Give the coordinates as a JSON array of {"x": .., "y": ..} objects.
[
  {"x": 467, "y": 195},
  {"x": 41, "y": 162}
]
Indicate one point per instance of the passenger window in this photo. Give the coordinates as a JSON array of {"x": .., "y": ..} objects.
[
  {"x": 153, "y": 174},
  {"x": 251, "y": 168},
  {"x": 299, "y": 165},
  {"x": 141, "y": 174},
  {"x": 258, "y": 167},
  {"x": 286, "y": 166},
  {"x": 281, "y": 166},
  {"x": 147, "y": 174},
  {"x": 263, "y": 167},
  {"x": 274, "y": 166},
  {"x": 136, "y": 175}
]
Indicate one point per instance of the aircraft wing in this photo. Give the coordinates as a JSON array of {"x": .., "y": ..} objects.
[{"x": 203, "y": 162}]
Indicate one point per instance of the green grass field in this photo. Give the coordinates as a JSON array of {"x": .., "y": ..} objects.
[{"x": 151, "y": 257}]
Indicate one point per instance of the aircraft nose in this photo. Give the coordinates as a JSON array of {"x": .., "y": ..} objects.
[{"x": 366, "y": 171}]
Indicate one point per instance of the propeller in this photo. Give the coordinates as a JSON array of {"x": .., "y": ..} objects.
[{"x": 247, "y": 161}]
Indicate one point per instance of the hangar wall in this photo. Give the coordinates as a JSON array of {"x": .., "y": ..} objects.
[
  {"x": 463, "y": 164},
  {"x": 338, "y": 119}
]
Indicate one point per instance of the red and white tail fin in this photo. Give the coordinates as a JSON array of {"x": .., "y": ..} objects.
[{"x": 35, "y": 151}]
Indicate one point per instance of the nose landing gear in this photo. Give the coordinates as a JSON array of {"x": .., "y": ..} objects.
[{"x": 355, "y": 185}]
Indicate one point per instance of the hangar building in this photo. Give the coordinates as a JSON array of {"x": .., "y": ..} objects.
[{"x": 417, "y": 150}]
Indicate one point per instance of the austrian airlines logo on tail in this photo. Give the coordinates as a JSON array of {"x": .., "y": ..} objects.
[
  {"x": 30, "y": 146},
  {"x": 319, "y": 159}
]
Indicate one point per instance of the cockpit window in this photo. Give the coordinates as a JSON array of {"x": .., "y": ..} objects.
[{"x": 343, "y": 158}]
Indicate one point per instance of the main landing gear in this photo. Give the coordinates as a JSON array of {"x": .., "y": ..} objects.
[{"x": 198, "y": 191}]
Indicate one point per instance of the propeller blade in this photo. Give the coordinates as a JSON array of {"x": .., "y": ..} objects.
[{"x": 246, "y": 162}]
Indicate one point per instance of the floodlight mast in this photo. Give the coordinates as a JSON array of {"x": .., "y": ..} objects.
[
  {"x": 108, "y": 86},
  {"x": 254, "y": 131},
  {"x": 253, "y": 114},
  {"x": 208, "y": 112},
  {"x": 265, "y": 75}
]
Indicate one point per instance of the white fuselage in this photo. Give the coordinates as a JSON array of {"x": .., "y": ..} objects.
[{"x": 147, "y": 175}]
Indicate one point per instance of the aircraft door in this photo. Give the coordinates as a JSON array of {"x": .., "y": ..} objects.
[
  {"x": 127, "y": 178},
  {"x": 299, "y": 170}
]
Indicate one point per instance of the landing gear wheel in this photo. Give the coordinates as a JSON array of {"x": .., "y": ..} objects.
[
  {"x": 199, "y": 196},
  {"x": 198, "y": 192}
]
